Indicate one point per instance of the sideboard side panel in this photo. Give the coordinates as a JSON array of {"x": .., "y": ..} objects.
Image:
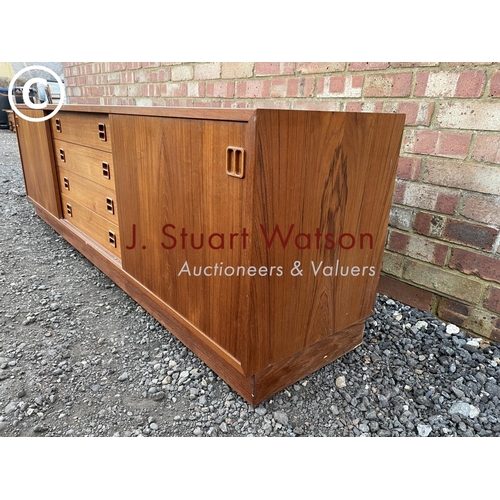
[{"x": 35, "y": 147}]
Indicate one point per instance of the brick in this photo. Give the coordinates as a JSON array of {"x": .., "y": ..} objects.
[
  {"x": 292, "y": 87},
  {"x": 495, "y": 334},
  {"x": 401, "y": 218},
  {"x": 417, "y": 113},
  {"x": 196, "y": 89},
  {"x": 151, "y": 90},
  {"x": 309, "y": 68},
  {"x": 470, "y": 176},
  {"x": 278, "y": 87},
  {"x": 495, "y": 85},
  {"x": 116, "y": 66},
  {"x": 450, "y": 84},
  {"x": 127, "y": 77},
  {"x": 476, "y": 320},
  {"x": 492, "y": 299},
  {"x": 447, "y": 202},
  {"x": 113, "y": 78},
  {"x": 453, "y": 145},
  {"x": 97, "y": 91},
  {"x": 458, "y": 308},
  {"x": 207, "y": 71},
  {"x": 274, "y": 68},
  {"x": 133, "y": 65},
  {"x": 471, "y": 84},
  {"x": 417, "y": 247},
  {"x": 429, "y": 224},
  {"x": 487, "y": 148},
  {"x": 254, "y": 89},
  {"x": 180, "y": 73},
  {"x": 398, "y": 242},
  {"x": 409, "y": 168},
  {"x": 367, "y": 66},
  {"x": 266, "y": 103},
  {"x": 143, "y": 101},
  {"x": 220, "y": 89},
  {"x": 453, "y": 311},
  {"x": 392, "y": 263},
  {"x": 307, "y": 86},
  {"x": 317, "y": 105},
  {"x": 482, "y": 266},
  {"x": 340, "y": 86},
  {"x": 388, "y": 85},
  {"x": 437, "y": 143},
  {"x": 481, "y": 208},
  {"x": 469, "y": 115},
  {"x": 365, "y": 106},
  {"x": 172, "y": 89},
  {"x": 469, "y": 234},
  {"x": 405, "y": 293},
  {"x": 399, "y": 191},
  {"x": 442, "y": 281},
  {"x": 134, "y": 90},
  {"x": 237, "y": 70},
  {"x": 142, "y": 76},
  {"x": 439, "y": 199}
]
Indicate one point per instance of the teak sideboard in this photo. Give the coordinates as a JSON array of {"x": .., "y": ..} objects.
[{"x": 255, "y": 236}]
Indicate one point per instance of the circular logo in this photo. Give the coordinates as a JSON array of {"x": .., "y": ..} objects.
[{"x": 26, "y": 93}]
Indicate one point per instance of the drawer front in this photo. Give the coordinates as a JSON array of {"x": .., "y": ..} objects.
[
  {"x": 93, "y": 164},
  {"x": 96, "y": 227},
  {"x": 86, "y": 129},
  {"x": 93, "y": 196}
]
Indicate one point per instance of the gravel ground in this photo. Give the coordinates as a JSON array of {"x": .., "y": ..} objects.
[{"x": 78, "y": 357}]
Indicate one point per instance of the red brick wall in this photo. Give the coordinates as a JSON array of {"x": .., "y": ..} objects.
[{"x": 442, "y": 251}]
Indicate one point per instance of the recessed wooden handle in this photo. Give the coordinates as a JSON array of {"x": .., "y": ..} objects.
[
  {"x": 110, "y": 205},
  {"x": 69, "y": 210},
  {"x": 58, "y": 125},
  {"x": 102, "y": 131},
  {"x": 235, "y": 161},
  {"x": 112, "y": 238},
  {"x": 66, "y": 183},
  {"x": 105, "y": 170},
  {"x": 62, "y": 155}
]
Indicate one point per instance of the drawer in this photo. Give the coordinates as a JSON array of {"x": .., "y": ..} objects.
[
  {"x": 93, "y": 196},
  {"x": 92, "y": 164},
  {"x": 86, "y": 129},
  {"x": 96, "y": 227}
]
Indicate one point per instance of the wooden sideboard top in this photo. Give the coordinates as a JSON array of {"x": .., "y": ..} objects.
[
  {"x": 226, "y": 114},
  {"x": 239, "y": 115}
]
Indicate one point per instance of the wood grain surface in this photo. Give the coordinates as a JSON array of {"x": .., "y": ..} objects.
[
  {"x": 89, "y": 194},
  {"x": 86, "y": 162},
  {"x": 37, "y": 159},
  {"x": 82, "y": 128},
  {"x": 255, "y": 236}
]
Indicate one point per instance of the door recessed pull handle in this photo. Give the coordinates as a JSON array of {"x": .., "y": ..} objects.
[{"x": 235, "y": 161}]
